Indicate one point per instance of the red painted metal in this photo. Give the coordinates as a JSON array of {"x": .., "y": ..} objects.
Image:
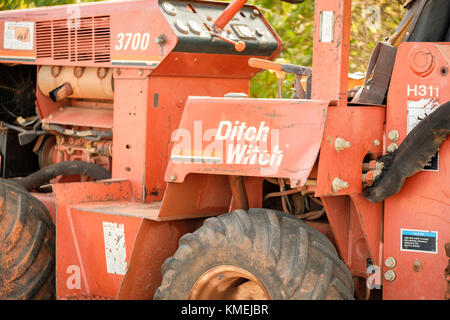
[
  {"x": 78, "y": 230},
  {"x": 423, "y": 203},
  {"x": 144, "y": 275},
  {"x": 363, "y": 128},
  {"x": 82, "y": 263},
  {"x": 48, "y": 199},
  {"x": 171, "y": 149},
  {"x": 331, "y": 58},
  {"x": 207, "y": 145},
  {"x": 105, "y": 15}
]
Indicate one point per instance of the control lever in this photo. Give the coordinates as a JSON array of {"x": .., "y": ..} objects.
[
  {"x": 239, "y": 46},
  {"x": 288, "y": 68},
  {"x": 233, "y": 7}
]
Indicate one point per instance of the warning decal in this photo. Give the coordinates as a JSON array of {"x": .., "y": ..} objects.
[
  {"x": 417, "y": 111},
  {"x": 419, "y": 241},
  {"x": 18, "y": 35}
]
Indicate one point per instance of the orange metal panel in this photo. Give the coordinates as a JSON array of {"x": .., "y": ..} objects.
[
  {"x": 200, "y": 195},
  {"x": 352, "y": 235},
  {"x": 154, "y": 111},
  {"x": 363, "y": 128},
  {"x": 88, "y": 232},
  {"x": 331, "y": 50},
  {"x": 370, "y": 217},
  {"x": 418, "y": 87},
  {"x": 409, "y": 86},
  {"x": 155, "y": 242},
  {"x": 85, "y": 117},
  {"x": 248, "y": 137},
  {"x": 72, "y": 238},
  {"x": 48, "y": 199},
  {"x": 422, "y": 204},
  {"x": 166, "y": 101},
  {"x": 130, "y": 128},
  {"x": 109, "y": 19}
]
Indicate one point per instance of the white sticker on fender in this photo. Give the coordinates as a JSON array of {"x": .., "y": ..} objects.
[
  {"x": 418, "y": 110},
  {"x": 115, "y": 251},
  {"x": 18, "y": 35}
]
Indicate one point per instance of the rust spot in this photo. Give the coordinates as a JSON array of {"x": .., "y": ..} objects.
[{"x": 271, "y": 115}]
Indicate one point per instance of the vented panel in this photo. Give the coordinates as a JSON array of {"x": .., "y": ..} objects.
[{"x": 84, "y": 39}]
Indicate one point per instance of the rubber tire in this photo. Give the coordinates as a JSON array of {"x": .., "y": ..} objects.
[
  {"x": 291, "y": 259},
  {"x": 27, "y": 246}
]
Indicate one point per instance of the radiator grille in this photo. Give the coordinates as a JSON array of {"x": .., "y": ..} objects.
[{"x": 84, "y": 39}]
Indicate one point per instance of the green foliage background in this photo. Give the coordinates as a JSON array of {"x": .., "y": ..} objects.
[{"x": 294, "y": 23}]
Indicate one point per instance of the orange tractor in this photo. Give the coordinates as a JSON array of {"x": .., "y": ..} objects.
[{"x": 135, "y": 166}]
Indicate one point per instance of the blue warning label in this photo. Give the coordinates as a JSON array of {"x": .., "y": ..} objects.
[{"x": 419, "y": 240}]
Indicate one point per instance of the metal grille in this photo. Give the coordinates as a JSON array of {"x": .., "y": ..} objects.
[{"x": 84, "y": 39}]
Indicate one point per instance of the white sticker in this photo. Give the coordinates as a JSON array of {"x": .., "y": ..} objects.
[
  {"x": 115, "y": 251},
  {"x": 18, "y": 35},
  {"x": 327, "y": 26},
  {"x": 418, "y": 110}
]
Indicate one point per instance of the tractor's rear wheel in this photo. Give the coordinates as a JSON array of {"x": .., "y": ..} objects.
[
  {"x": 27, "y": 246},
  {"x": 256, "y": 254}
]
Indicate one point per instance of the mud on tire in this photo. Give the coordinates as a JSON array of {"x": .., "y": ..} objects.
[
  {"x": 291, "y": 259},
  {"x": 27, "y": 246}
]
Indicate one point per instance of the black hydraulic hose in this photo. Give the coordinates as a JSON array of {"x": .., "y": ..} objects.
[
  {"x": 44, "y": 175},
  {"x": 412, "y": 155}
]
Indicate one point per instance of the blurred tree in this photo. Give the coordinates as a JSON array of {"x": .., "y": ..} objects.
[{"x": 372, "y": 21}]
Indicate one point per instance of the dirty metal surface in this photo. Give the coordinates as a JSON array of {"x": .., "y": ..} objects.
[
  {"x": 361, "y": 127},
  {"x": 416, "y": 219},
  {"x": 71, "y": 274},
  {"x": 247, "y": 137}
]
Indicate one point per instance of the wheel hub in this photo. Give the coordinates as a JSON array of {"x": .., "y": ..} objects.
[{"x": 227, "y": 282}]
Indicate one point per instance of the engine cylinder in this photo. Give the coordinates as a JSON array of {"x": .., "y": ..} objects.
[{"x": 87, "y": 83}]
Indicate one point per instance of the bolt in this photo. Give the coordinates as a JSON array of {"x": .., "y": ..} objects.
[
  {"x": 173, "y": 178},
  {"x": 376, "y": 142},
  {"x": 390, "y": 275},
  {"x": 140, "y": 72},
  {"x": 101, "y": 72},
  {"x": 392, "y": 147},
  {"x": 255, "y": 13},
  {"x": 341, "y": 144},
  {"x": 161, "y": 39},
  {"x": 339, "y": 184},
  {"x": 390, "y": 262},
  {"x": 417, "y": 266},
  {"x": 393, "y": 135}
]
